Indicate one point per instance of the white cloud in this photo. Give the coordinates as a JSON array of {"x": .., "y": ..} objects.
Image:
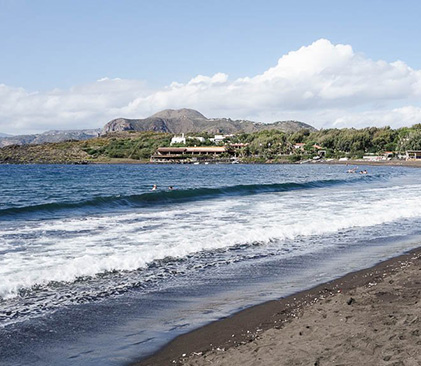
[
  {"x": 83, "y": 106},
  {"x": 323, "y": 84},
  {"x": 393, "y": 117}
]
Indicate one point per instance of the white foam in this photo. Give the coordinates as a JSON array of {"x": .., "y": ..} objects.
[{"x": 63, "y": 250}]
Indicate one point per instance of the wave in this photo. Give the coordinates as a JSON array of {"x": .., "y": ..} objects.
[
  {"x": 166, "y": 197},
  {"x": 59, "y": 250}
]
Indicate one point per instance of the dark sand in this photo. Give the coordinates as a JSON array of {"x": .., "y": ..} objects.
[{"x": 369, "y": 317}]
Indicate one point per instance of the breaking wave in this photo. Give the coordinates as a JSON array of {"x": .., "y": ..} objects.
[{"x": 166, "y": 197}]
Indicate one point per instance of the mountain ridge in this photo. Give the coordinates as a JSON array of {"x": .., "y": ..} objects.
[
  {"x": 191, "y": 121},
  {"x": 173, "y": 121},
  {"x": 49, "y": 136}
]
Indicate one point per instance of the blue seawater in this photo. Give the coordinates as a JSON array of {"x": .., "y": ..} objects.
[{"x": 96, "y": 267}]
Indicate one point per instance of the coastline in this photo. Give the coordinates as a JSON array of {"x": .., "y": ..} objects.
[
  {"x": 246, "y": 332},
  {"x": 392, "y": 163},
  {"x": 401, "y": 163}
]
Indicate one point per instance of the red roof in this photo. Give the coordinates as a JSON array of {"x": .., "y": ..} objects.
[
  {"x": 206, "y": 149},
  {"x": 171, "y": 149}
]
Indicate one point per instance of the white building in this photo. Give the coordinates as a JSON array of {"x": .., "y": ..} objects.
[
  {"x": 178, "y": 139},
  {"x": 220, "y": 138}
]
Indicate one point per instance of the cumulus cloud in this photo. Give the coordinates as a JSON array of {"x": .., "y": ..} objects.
[
  {"x": 83, "y": 106},
  {"x": 322, "y": 84}
]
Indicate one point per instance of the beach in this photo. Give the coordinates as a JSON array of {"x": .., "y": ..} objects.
[{"x": 369, "y": 317}]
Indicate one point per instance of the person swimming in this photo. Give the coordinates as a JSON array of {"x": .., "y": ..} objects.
[
  {"x": 154, "y": 187},
  {"x": 170, "y": 188}
]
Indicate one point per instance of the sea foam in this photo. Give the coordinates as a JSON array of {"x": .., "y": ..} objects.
[{"x": 36, "y": 253}]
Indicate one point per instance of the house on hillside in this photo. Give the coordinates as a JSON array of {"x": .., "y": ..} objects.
[
  {"x": 219, "y": 139},
  {"x": 299, "y": 146},
  {"x": 321, "y": 152},
  {"x": 178, "y": 140}
]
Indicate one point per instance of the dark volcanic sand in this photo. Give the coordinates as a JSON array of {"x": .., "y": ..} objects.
[{"x": 370, "y": 317}]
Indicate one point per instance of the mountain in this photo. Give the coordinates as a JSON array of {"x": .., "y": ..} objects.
[
  {"x": 4, "y": 135},
  {"x": 188, "y": 120},
  {"x": 49, "y": 136},
  {"x": 169, "y": 120}
]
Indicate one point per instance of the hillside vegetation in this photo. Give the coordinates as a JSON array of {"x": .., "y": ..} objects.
[
  {"x": 337, "y": 143},
  {"x": 133, "y": 146},
  {"x": 262, "y": 146}
]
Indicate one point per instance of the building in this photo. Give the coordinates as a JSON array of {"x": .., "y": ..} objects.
[
  {"x": 299, "y": 146},
  {"x": 388, "y": 155},
  {"x": 181, "y": 154},
  {"x": 321, "y": 153},
  {"x": 239, "y": 145},
  {"x": 219, "y": 139},
  {"x": 206, "y": 150},
  {"x": 178, "y": 140},
  {"x": 413, "y": 154}
]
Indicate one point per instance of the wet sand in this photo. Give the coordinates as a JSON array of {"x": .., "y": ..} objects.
[{"x": 369, "y": 317}]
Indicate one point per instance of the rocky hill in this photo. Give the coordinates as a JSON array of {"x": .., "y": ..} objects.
[
  {"x": 49, "y": 136},
  {"x": 51, "y": 153},
  {"x": 191, "y": 121},
  {"x": 132, "y": 146},
  {"x": 167, "y": 121}
]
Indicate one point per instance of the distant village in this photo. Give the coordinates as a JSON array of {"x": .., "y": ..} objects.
[
  {"x": 221, "y": 149},
  {"x": 226, "y": 148},
  {"x": 370, "y": 144}
]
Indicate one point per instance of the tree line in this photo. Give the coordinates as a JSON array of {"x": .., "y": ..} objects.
[
  {"x": 271, "y": 144},
  {"x": 349, "y": 142}
]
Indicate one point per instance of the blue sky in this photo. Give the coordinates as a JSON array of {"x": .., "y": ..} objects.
[{"x": 47, "y": 45}]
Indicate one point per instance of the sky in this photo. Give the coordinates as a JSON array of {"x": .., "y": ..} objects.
[{"x": 72, "y": 64}]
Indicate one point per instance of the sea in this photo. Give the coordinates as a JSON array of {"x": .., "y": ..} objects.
[{"x": 98, "y": 268}]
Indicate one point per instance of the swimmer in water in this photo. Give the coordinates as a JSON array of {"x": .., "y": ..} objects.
[{"x": 154, "y": 187}]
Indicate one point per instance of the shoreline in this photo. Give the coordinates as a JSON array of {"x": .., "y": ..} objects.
[
  {"x": 391, "y": 163},
  {"x": 244, "y": 329},
  {"x": 402, "y": 163}
]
